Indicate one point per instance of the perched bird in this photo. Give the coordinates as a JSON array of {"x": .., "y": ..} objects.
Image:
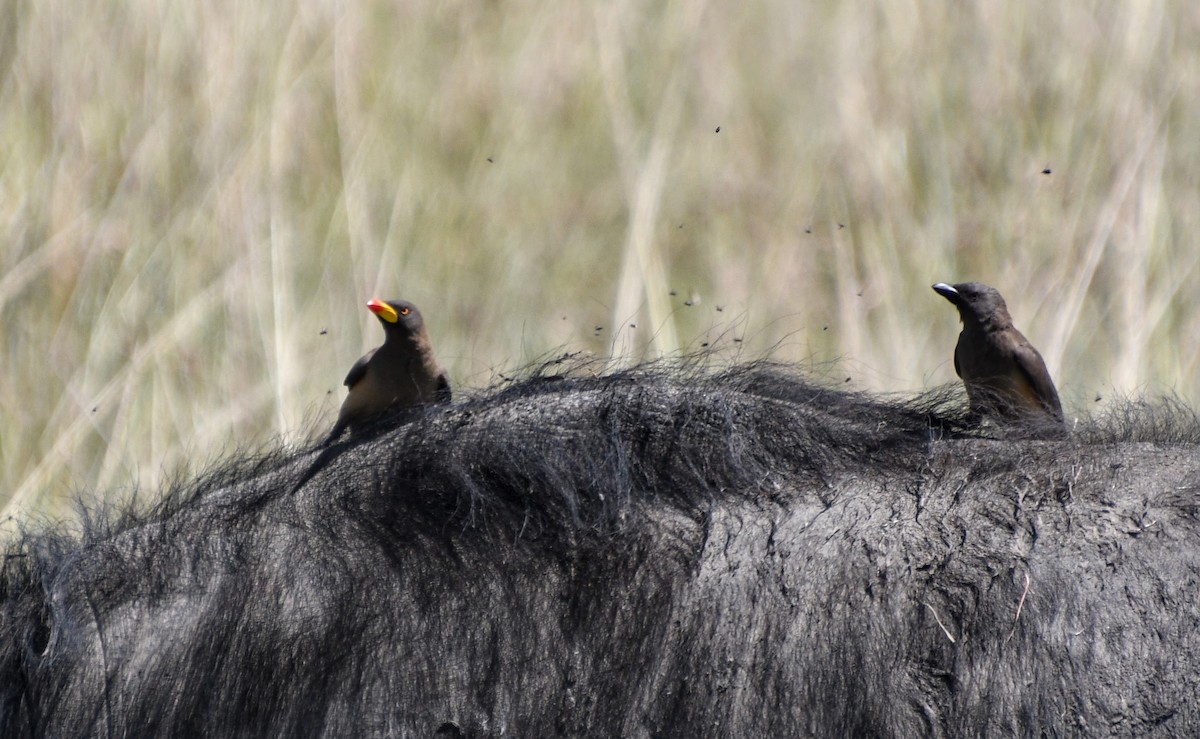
[
  {"x": 1005, "y": 376},
  {"x": 401, "y": 373}
]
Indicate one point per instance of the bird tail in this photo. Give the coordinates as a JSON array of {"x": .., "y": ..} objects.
[{"x": 328, "y": 452}]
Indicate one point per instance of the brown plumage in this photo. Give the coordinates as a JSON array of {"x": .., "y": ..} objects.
[
  {"x": 401, "y": 373},
  {"x": 1006, "y": 378}
]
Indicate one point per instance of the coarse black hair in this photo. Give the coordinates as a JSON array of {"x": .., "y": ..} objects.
[{"x": 664, "y": 550}]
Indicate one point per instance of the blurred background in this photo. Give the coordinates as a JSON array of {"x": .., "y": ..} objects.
[{"x": 197, "y": 199}]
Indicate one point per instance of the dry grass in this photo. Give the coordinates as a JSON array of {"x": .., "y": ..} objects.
[{"x": 190, "y": 193}]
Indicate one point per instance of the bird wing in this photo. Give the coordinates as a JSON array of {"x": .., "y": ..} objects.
[
  {"x": 359, "y": 369},
  {"x": 1033, "y": 367},
  {"x": 442, "y": 393}
]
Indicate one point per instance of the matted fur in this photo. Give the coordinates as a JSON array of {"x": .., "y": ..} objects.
[{"x": 662, "y": 551}]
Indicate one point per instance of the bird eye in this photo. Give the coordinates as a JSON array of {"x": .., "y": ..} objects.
[{"x": 405, "y": 311}]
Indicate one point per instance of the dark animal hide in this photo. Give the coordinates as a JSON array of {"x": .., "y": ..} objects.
[{"x": 657, "y": 552}]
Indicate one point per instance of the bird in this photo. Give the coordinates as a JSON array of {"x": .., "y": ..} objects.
[
  {"x": 1005, "y": 376},
  {"x": 401, "y": 374}
]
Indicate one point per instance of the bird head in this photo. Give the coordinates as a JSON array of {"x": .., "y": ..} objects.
[
  {"x": 397, "y": 316},
  {"x": 977, "y": 303}
]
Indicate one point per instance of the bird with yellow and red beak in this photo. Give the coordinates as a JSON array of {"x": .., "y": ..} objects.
[{"x": 401, "y": 373}]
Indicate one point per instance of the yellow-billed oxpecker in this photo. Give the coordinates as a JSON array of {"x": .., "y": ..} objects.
[
  {"x": 1005, "y": 376},
  {"x": 402, "y": 373}
]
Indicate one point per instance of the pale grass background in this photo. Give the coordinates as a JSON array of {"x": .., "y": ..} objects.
[{"x": 190, "y": 192}]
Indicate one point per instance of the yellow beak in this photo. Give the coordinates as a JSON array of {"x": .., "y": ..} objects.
[{"x": 383, "y": 310}]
